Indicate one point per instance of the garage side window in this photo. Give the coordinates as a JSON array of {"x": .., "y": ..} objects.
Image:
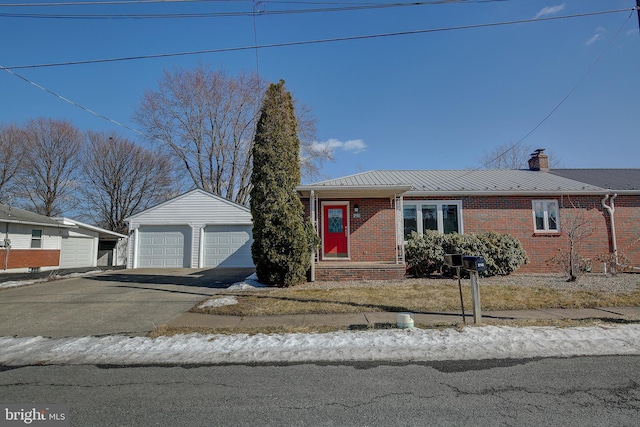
[{"x": 36, "y": 239}]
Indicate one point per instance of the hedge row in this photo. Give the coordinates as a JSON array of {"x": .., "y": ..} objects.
[{"x": 425, "y": 253}]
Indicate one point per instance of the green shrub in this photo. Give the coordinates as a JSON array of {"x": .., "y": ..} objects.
[
  {"x": 504, "y": 251},
  {"x": 424, "y": 254}
]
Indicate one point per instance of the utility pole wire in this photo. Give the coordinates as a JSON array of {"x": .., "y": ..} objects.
[
  {"x": 318, "y": 41},
  {"x": 67, "y": 100}
]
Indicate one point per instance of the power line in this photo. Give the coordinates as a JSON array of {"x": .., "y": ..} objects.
[
  {"x": 566, "y": 97},
  {"x": 75, "y": 104},
  {"x": 318, "y": 41},
  {"x": 108, "y": 3},
  {"x": 343, "y": 8}
]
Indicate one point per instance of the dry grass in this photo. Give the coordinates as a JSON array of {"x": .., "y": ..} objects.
[
  {"x": 423, "y": 296},
  {"x": 167, "y": 331}
]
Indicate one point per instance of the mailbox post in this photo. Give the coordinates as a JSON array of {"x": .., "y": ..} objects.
[
  {"x": 475, "y": 265},
  {"x": 455, "y": 261}
]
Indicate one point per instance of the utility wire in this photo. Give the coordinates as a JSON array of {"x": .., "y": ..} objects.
[
  {"x": 575, "y": 87},
  {"x": 67, "y": 100},
  {"x": 109, "y": 3},
  {"x": 348, "y": 7},
  {"x": 318, "y": 41},
  {"x": 134, "y": 2},
  {"x": 563, "y": 100}
]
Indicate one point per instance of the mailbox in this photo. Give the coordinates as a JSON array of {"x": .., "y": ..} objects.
[
  {"x": 453, "y": 260},
  {"x": 474, "y": 263}
]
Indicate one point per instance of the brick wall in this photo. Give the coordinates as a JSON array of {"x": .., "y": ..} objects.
[
  {"x": 513, "y": 215},
  {"x": 25, "y": 258},
  {"x": 372, "y": 232},
  {"x": 347, "y": 273}
]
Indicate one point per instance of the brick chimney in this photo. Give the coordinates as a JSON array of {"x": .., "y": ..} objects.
[{"x": 539, "y": 161}]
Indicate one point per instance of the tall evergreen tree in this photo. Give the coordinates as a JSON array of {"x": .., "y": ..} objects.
[{"x": 283, "y": 240}]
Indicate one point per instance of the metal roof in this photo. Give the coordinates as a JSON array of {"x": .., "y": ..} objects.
[
  {"x": 482, "y": 181},
  {"x": 20, "y": 216},
  {"x": 613, "y": 179}
]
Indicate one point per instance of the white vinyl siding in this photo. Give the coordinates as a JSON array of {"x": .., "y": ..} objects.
[
  {"x": 20, "y": 236},
  {"x": 196, "y": 210}
]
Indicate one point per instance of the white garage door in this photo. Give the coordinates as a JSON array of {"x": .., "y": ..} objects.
[
  {"x": 228, "y": 246},
  {"x": 77, "y": 252},
  {"x": 164, "y": 246}
]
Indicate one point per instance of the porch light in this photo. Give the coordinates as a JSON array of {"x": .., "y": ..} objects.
[{"x": 356, "y": 208}]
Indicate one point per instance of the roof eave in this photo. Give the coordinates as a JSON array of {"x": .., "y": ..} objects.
[
  {"x": 461, "y": 193},
  {"x": 363, "y": 191},
  {"x": 41, "y": 224}
]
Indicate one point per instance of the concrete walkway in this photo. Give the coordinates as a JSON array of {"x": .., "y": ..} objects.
[{"x": 386, "y": 319}]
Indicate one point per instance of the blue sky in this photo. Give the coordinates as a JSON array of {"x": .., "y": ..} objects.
[{"x": 430, "y": 100}]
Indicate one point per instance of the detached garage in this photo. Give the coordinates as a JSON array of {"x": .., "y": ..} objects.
[
  {"x": 194, "y": 230},
  {"x": 83, "y": 245}
]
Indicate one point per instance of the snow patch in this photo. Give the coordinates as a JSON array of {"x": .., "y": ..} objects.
[
  {"x": 219, "y": 302},
  {"x": 13, "y": 284},
  {"x": 399, "y": 345},
  {"x": 248, "y": 284}
]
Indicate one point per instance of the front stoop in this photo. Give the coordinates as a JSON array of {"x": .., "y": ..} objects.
[{"x": 337, "y": 271}]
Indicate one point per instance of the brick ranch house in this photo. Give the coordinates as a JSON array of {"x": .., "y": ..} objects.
[{"x": 363, "y": 220}]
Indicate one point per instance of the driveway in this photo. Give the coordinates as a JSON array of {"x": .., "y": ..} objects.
[{"x": 131, "y": 302}]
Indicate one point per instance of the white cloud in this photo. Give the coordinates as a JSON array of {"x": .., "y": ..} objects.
[
  {"x": 599, "y": 33},
  {"x": 549, "y": 10},
  {"x": 354, "y": 145}
]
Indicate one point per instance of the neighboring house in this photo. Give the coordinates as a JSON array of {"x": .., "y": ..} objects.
[
  {"x": 194, "y": 230},
  {"x": 84, "y": 245},
  {"x": 28, "y": 242},
  {"x": 364, "y": 220}
]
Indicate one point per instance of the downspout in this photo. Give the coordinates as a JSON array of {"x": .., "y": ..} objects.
[
  {"x": 611, "y": 209},
  {"x": 7, "y": 247},
  {"x": 312, "y": 214}
]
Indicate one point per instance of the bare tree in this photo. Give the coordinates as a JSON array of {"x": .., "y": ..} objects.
[
  {"x": 10, "y": 159},
  {"x": 122, "y": 179},
  {"x": 578, "y": 225},
  {"x": 52, "y": 156},
  {"x": 206, "y": 119},
  {"x": 511, "y": 156}
]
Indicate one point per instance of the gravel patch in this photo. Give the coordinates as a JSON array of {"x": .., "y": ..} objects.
[{"x": 622, "y": 282}]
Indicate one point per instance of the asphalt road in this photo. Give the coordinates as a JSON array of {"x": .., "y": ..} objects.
[
  {"x": 588, "y": 391},
  {"x": 129, "y": 302}
]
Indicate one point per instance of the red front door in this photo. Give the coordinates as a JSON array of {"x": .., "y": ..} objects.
[{"x": 336, "y": 232}]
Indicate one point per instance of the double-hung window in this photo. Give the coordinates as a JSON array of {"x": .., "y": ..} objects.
[
  {"x": 545, "y": 216},
  {"x": 36, "y": 239},
  {"x": 442, "y": 216}
]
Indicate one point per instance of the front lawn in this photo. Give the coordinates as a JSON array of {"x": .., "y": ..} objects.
[{"x": 428, "y": 295}]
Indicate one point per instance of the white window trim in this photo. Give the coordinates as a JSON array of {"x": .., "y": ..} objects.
[
  {"x": 420, "y": 203},
  {"x": 545, "y": 203},
  {"x": 40, "y": 239},
  {"x": 348, "y": 257}
]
